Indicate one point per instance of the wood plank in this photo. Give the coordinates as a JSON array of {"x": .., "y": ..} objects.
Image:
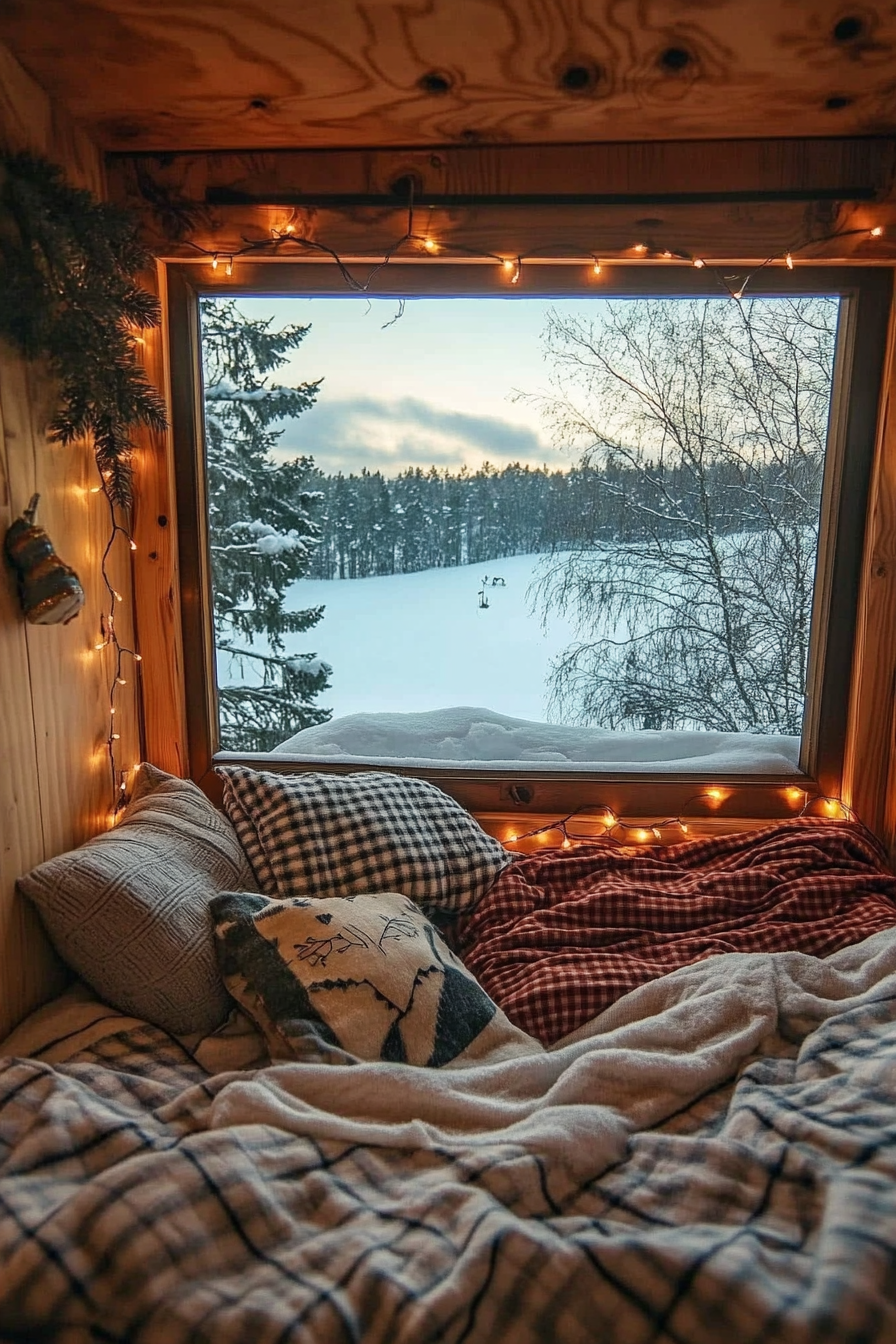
[
  {"x": 870, "y": 767},
  {"x": 56, "y": 789},
  {"x": 729, "y": 202},
  {"x": 71, "y": 680},
  {"x": 458, "y": 71},
  {"x": 717, "y": 234},
  {"x": 29, "y": 971},
  {"x": 156, "y": 574},
  {"x": 635, "y": 797},
  {"x": 788, "y": 169}
]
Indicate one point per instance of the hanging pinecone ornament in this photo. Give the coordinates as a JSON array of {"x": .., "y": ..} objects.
[{"x": 49, "y": 590}]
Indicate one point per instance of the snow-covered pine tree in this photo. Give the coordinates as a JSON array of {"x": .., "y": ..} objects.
[{"x": 262, "y": 530}]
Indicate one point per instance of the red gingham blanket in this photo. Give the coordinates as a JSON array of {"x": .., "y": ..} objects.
[{"x": 562, "y": 935}]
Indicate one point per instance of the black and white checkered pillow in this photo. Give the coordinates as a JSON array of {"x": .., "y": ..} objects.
[{"x": 328, "y": 835}]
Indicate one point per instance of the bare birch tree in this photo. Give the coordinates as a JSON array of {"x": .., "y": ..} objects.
[{"x": 718, "y": 412}]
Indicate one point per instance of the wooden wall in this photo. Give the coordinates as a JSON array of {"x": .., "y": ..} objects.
[{"x": 55, "y": 783}]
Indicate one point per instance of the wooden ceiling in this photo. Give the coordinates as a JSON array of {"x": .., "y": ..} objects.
[{"x": 174, "y": 75}]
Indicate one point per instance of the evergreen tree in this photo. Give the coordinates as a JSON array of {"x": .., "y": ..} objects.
[{"x": 262, "y": 530}]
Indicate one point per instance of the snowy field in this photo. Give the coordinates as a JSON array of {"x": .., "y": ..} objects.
[
  {"x": 422, "y": 673},
  {"x": 421, "y": 641}
]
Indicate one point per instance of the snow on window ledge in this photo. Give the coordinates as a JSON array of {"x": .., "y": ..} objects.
[{"x": 480, "y": 738}]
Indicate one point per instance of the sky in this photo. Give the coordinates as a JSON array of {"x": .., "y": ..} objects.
[{"x": 434, "y": 387}]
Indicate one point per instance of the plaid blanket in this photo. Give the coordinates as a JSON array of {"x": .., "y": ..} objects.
[
  {"x": 714, "y": 1160},
  {"x": 562, "y": 934}
]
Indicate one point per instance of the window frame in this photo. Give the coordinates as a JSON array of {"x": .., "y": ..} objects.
[{"x": 865, "y": 294}]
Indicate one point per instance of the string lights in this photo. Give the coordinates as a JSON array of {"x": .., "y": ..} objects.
[
  {"x": 109, "y": 639},
  {"x": 286, "y": 241},
  {"x": 625, "y": 832}
]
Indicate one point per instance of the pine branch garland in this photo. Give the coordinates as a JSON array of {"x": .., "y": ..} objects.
[{"x": 68, "y": 295}]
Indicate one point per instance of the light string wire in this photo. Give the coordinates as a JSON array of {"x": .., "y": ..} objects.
[
  {"x": 284, "y": 238},
  {"x": 123, "y": 653},
  {"x": 624, "y": 832}
]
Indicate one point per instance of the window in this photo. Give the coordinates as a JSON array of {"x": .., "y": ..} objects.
[{"x": 587, "y": 532}]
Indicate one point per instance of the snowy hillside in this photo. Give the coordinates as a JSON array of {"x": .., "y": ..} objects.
[
  {"x": 422, "y": 641},
  {"x": 412, "y": 652}
]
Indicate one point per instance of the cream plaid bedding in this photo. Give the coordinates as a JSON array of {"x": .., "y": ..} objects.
[{"x": 712, "y": 1161}]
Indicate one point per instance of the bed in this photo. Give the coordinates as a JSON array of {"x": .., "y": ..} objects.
[{"x": 711, "y": 1157}]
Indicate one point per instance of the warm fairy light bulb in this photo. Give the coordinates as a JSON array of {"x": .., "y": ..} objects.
[
  {"x": 290, "y": 228},
  {"x": 133, "y": 543},
  {"x": 641, "y": 834},
  {"x": 610, "y": 819},
  {"x": 512, "y": 837},
  {"x": 118, "y": 596},
  {"x": 656, "y": 832},
  {"x": 788, "y": 261},
  {"x": 116, "y": 737},
  {"x": 738, "y": 294},
  {"x": 95, "y": 489},
  {"x": 122, "y": 681},
  {"x": 430, "y": 244},
  {"x": 122, "y": 786},
  {"x": 512, "y": 269},
  {"x": 682, "y": 828},
  {"x": 138, "y": 657},
  {"x": 567, "y": 843},
  {"x": 639, "y": 247},
  {"x": 699, "y": 263},
  {"x": 667, "y": 254},
  {"x": 595, "y": 269},
  {"x": 101, "y": 645},
  {"x": 715, "y": 796},
  {"x": 877, "y": 231},
  {"x": 794, "y": 795},
  {"x": 215, "y": 262},
  {"x": 228, "y": 269},
  {"x": 113, "y": 710}
]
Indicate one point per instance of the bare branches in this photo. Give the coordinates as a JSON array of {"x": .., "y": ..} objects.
[{"x": 700, "y": 619}]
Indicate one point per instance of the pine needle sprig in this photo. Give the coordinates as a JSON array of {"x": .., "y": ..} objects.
[{"x": 68, "y": 295}]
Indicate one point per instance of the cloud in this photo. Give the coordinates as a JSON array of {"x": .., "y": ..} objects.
[{"x": 393, "y": 435}]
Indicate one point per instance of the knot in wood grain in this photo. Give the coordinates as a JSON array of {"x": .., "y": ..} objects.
[
  {"x": 435, "y": 82},
  {"x": 674, "y": 59},
  {"x": 579, "y": 77},
  {"x": 848, "y": 28}
]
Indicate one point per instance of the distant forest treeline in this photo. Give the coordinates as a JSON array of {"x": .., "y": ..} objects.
[{"x": 374, "y": 524}]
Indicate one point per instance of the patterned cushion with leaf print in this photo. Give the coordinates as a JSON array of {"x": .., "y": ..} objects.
[{"x": 363, "y": 977}]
